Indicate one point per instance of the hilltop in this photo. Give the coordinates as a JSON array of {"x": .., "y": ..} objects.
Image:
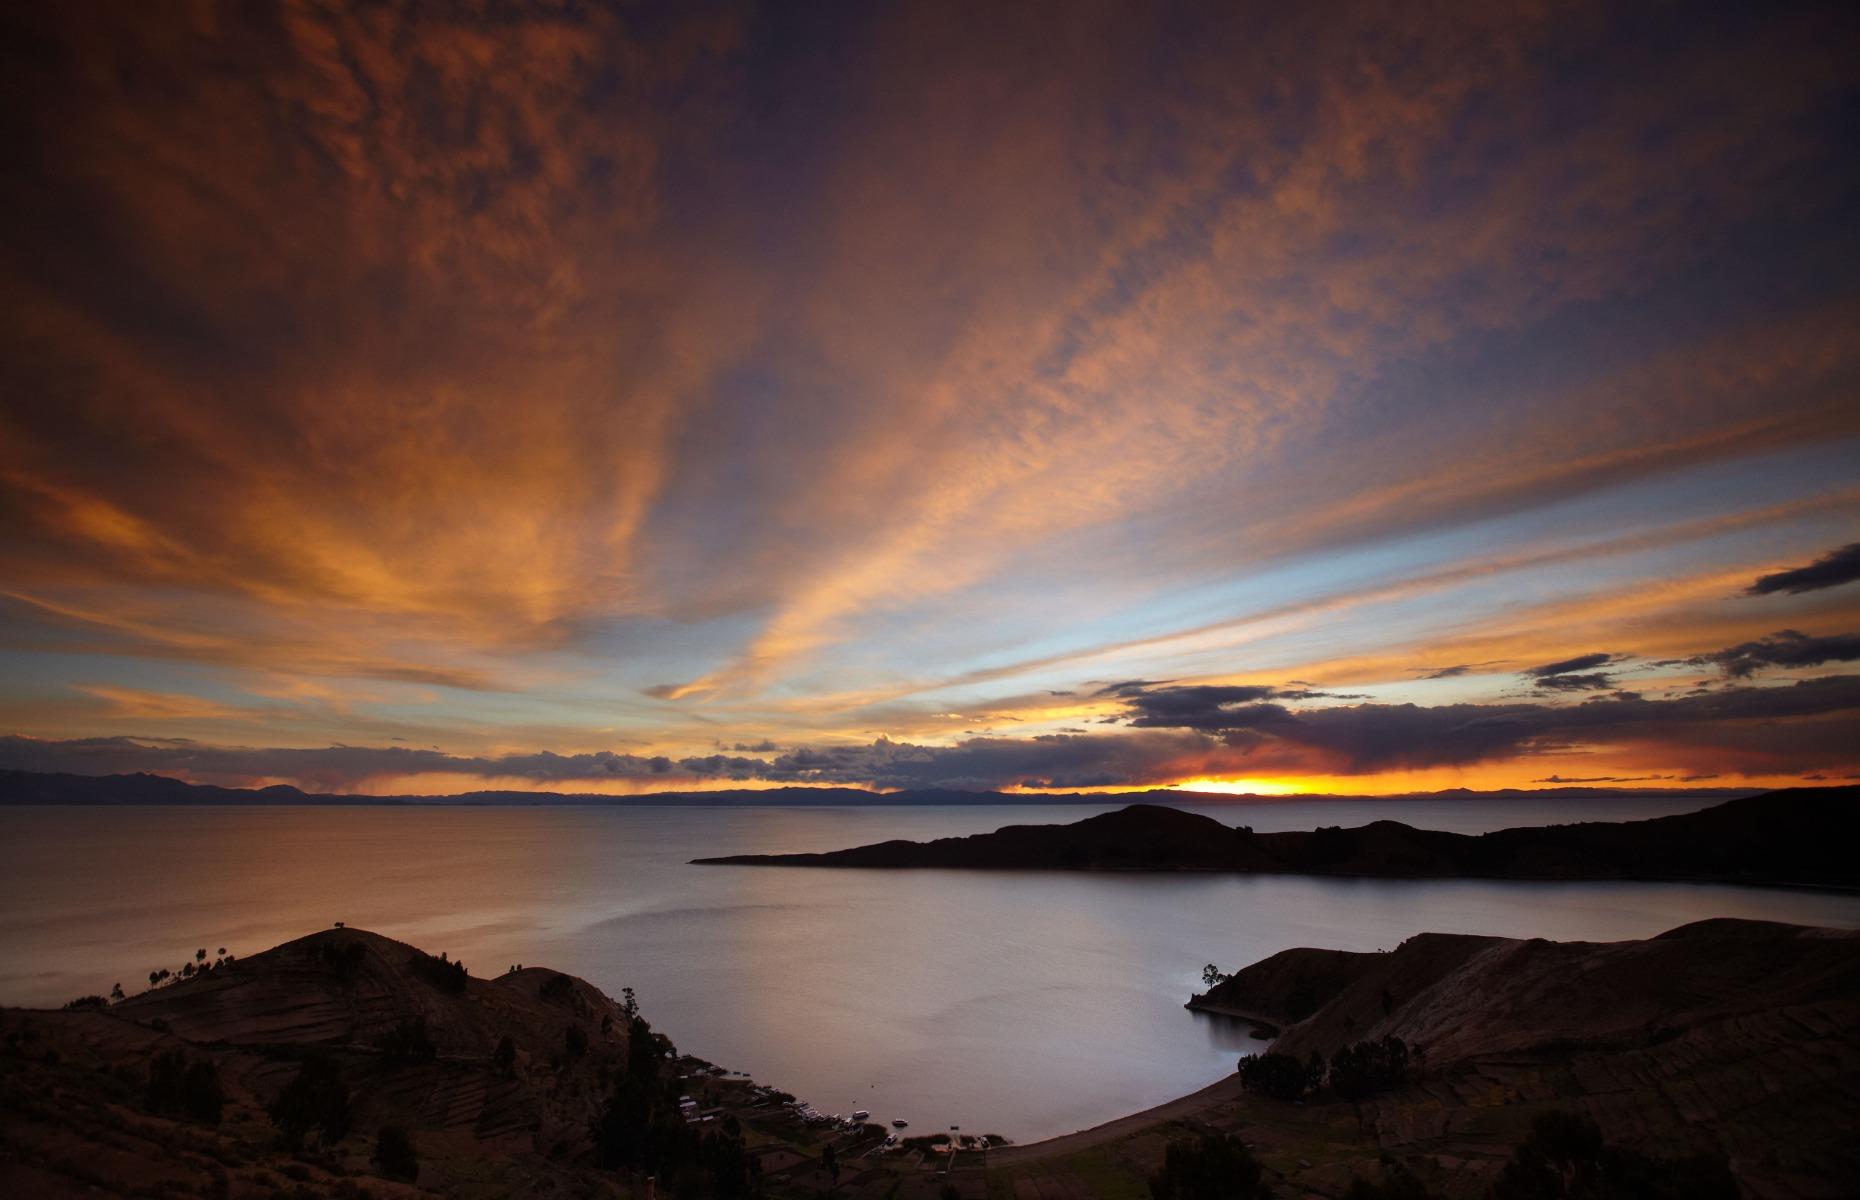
[
  {"x": 1801, "y": 836},
  {"x": 278, "y": 1074}
]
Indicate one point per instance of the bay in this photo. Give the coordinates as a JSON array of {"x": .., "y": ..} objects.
[{"x": 1028, "y": 1004}]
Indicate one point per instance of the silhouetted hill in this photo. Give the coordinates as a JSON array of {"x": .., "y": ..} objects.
[
  {"x": 276, "y": 1075},
  {"x": 37, "y": 787},
  {"x": 1728, "y": 1036},
  {"x": 1796, "y": 836}
]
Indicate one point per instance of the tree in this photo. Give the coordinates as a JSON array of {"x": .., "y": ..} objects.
[
  {"x": 1213, "y": 977},
  {"x": 1398, "y": 1183},
  {"x": 316, "y": 1099},
  {"x": 202, "y": 1097},
  {"x": 1281, "y": 1076},
  {"x": 1215, "y": 1166},
  {"x": 200, "y": 955},
  {"x": 408, "y": 1041},
  {"x": 1366, "y": 1068},
  {"x": 394, "y": 1154},
  {"x": 178, "y": 1088},
  {"x": 165, "y": 1092},
  {"x": 1565, "y": 1158},
  {"x": 116, "y": 993},
  {"x": 441, "y": 973}
]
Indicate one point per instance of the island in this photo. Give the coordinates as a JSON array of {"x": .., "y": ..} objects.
[{"x": 1793, "y": 837}]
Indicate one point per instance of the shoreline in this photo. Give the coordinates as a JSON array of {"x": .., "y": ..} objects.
[
  {"x": 1222, "y": 1091},
  {"x": 1263, "y": 1028}
]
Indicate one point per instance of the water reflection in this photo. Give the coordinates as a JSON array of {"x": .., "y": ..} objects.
[{"x": 1231, "y": 1035}]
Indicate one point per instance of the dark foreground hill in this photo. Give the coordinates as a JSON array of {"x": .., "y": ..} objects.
[
  {"x": 1736, "y": 1039},
  {"x": 1802, "y": 836},
  {"x": 348, "y": 1065}
]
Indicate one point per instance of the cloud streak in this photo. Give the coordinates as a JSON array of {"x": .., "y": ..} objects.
[
  {"x": 1205, "y": 733},
  {"x": 1832, "y": 569},
  {"x": 575, "y": 378}
]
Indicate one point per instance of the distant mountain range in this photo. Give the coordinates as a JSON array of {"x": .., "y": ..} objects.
[
  {"x": 35, "y": 787},
  {"x": 1803, "y": 836}
]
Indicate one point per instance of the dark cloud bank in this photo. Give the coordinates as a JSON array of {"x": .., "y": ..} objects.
[
  {"x": 1178, "y": 733},
  {"x": 1786, "y": 648},
  {"x": 1830, "y": 570}
]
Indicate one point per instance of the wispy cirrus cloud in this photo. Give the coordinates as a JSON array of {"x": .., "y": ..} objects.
[{"x": 518, "y": 370}]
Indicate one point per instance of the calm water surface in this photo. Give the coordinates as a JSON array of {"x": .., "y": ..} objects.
[{"x": 1028, "y": 1004}]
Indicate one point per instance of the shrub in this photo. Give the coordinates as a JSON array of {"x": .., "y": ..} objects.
[
  {"x": 88, "y": 1002},
  {"x": 167, "y": 1083},
  {"x": 505, "y": 1059},
  {"x": 394, "y": 1154},
  {"x": 341, "y": 959},
  {"x": 408, "y": 1041},
  {"x": 440, "y": 973},
  {"x": 316, "y": 1099},
  {"x": 203, "y": 1098},
  {"x": 1281, "y": 1076},
  {"x": 1398, "y": 1183},
  {"x": 1369, "y": 1067},
  {"x": 177, "y": 1088},
  {"x": 1565, "y": 1158},
  {"x": 1216, "y": 1166}
]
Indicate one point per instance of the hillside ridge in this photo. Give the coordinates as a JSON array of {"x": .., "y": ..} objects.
[{"x": 1797, "y": 836}]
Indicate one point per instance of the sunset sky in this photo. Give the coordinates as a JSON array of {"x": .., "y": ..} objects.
[{"x": 617, "y": 398}]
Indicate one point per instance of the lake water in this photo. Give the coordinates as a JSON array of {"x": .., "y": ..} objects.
[{"x": 1028, "y": 1004}]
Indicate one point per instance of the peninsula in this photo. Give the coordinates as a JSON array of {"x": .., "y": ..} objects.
[{"x": 1798, "y": 836}]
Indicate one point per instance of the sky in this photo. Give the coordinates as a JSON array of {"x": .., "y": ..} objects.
[{"x": 1264, "y": 397}]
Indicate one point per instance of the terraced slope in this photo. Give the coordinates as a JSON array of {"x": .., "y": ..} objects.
[
  {"x": 72, "y": 1083},
  {"x": 1728, "y": 1036}
]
